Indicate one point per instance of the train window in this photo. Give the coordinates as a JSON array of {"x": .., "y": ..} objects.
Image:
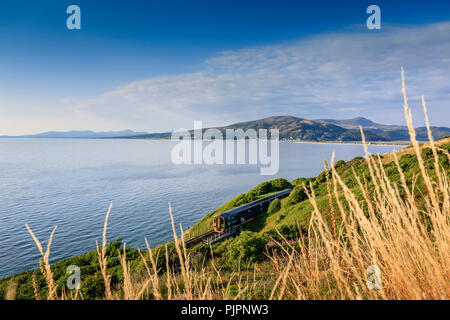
[{"x": 219, "y": 224}]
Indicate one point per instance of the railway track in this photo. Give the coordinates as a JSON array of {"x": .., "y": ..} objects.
[
  {"x": 218, "y": 236},
  {"x": 198, "y": 239}
]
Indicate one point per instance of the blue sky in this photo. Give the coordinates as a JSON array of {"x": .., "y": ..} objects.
[{"x": 160, "y": 65}]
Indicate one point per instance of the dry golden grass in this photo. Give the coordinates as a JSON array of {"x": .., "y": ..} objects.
[
  {"x": 11, "y": 291},
  {"x": 102, "y": 258},
  {"x": 45, "y": 264},
  {"x": 407, "y": 242}
]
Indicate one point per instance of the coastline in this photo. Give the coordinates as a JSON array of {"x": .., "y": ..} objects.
[
  {"x": 376, "y": 143},
  {"x": 369, "y": 143}
]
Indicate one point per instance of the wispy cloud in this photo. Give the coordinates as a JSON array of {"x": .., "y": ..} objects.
[{"x": 339, "y": 74}]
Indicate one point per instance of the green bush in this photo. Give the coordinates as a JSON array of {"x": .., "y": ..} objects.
[
  {"x": 445, "y": 146},
  {"x": 339, "y": 164},
  {"x": 247, "y": 247},
  {"x": 280, "y": 184},
  {"x": 263, "y": 188},
  {"x": 270, "y": 186},
  {"x": 93, "y": 287},
  {"x": 280, "y": 217},
  {"x": 298, "y": 194},
  {"x": 274, "y": 206}
]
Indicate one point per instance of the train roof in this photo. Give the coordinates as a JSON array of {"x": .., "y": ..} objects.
[{"x": 253, "y": 203}]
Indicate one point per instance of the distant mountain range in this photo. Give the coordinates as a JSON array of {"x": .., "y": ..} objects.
[
  {"x": 87, "y": 134},
  {"x": 290, "y": 128},
  {"x": 294, "y": 128},
  {"x": 388, "y": 132}
]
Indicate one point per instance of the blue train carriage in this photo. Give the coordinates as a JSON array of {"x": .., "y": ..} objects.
[{"x": 245, "y": 212}]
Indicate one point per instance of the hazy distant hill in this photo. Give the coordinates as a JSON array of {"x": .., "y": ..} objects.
[
  {"x": 354, "y": 123},
  {"x": 388, "y": 132},
  {"x": 86, "y": 134}
]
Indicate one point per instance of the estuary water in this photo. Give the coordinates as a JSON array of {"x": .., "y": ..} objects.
[{"x": 69, "y": 183}]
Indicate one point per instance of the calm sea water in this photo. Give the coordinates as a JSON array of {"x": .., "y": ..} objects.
[{"x": 69, "y": 183}]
